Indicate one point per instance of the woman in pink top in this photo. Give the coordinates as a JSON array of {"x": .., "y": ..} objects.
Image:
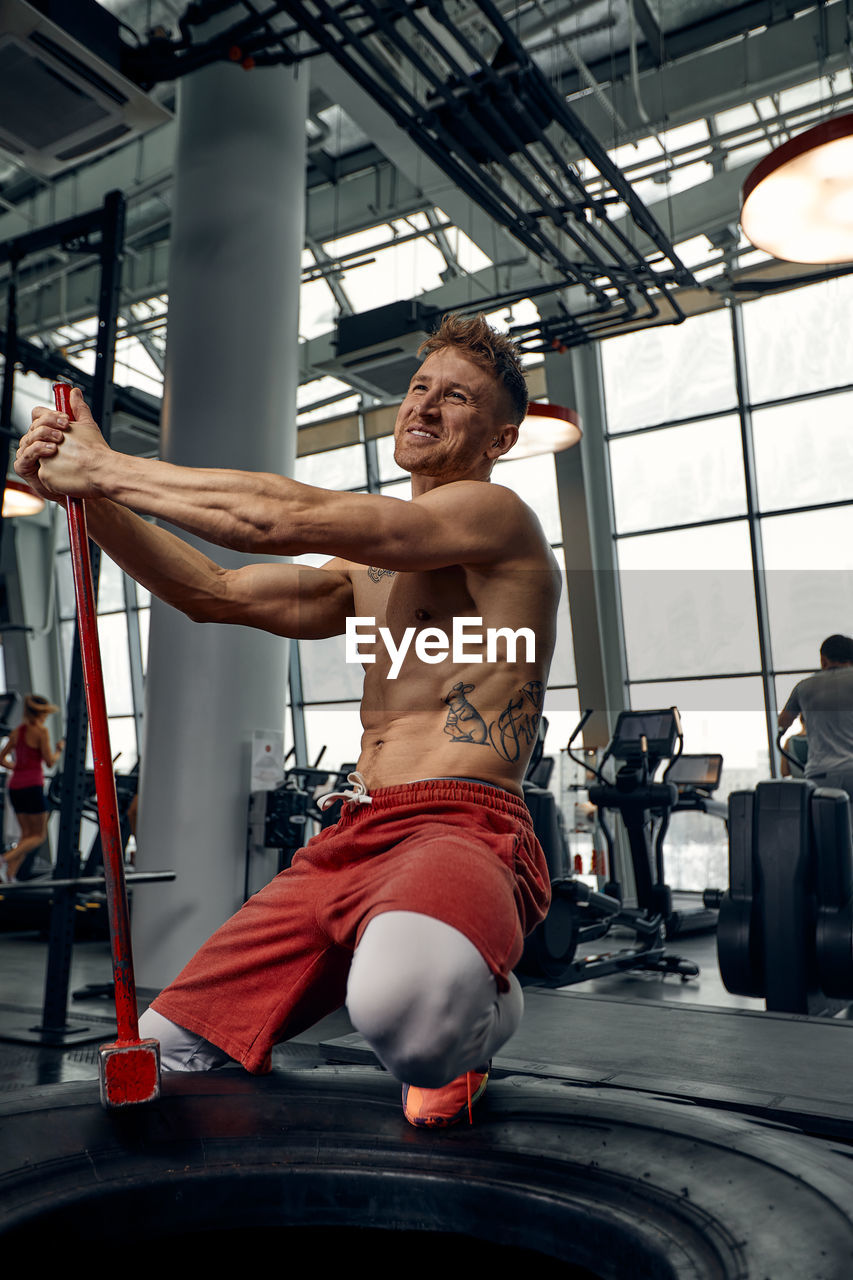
[{"x": 26, "y": 752}]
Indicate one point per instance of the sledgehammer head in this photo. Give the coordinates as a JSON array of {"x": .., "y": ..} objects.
[{"x": 129, "y": 1073}]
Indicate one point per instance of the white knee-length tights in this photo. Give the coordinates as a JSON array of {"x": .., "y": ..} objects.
[{"x": 419, "y": 992}]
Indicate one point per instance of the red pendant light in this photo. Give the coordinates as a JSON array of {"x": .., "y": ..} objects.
[
  {"x": 798, "y": 201},
  {"x": 548, "y": 428}
]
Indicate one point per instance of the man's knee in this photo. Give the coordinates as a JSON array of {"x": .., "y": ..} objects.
[
  {"x": 418, "y": 992},
  {"x": 414, "y": 1032}
]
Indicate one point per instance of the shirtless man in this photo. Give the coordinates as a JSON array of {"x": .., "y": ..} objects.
[{"x": 435, "y": 872}]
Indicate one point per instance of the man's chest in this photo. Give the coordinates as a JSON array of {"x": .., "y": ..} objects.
[{"x": 400, "y": 600}]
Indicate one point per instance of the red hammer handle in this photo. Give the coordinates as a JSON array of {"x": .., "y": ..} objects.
[{"x": 127, "y": 1018}]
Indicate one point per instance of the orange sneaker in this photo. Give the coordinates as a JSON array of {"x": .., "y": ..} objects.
[{"x": 438, "y": 1108}]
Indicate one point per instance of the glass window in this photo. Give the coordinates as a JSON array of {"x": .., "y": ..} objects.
[
  {"x": 65, "y": 586},
  {"x": 681, "y": 474},
  {"x": 799, "y": 341},
  {"x": 318, "y": 310},
  {"x": 688, "y": 602},
  {"x": 123, "y": 742},
  {"x": 319, "y": 393},
  {"x": 135, "y": 367},
  {"x": 66, "y": 648},
  {"x": 110, "y": 586},
  {"x": 326, "y": 675},
  {"x": 785, "y": 687},
  {"x": 115, "y": 661},
  {"x": 725, "y": 716},
  {"x": 386, "y": 274},
  {"x": 400, "y": 489},
  {"x": 338, "y": 729},
  {"x": 388, "y": 469},
  {"x": 335, "y": 469},
  {"x": 563, "y": 671},
  {"x": 144, "y": 619},
  {"x": 803, "y": 453},
  {"x": 60, "y": 530},
  {"x": 808, "y": 561},
  {"x": 562, "y": 712},
  {"x": 669, "y": 372},
  {"x": 469, "y": 255}
]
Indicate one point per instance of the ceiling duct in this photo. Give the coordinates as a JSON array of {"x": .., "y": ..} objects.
[
  {"x": 62, "y": 97},
  {"x": 502, "y": 135},
  {"x": 381, "y": 346}
]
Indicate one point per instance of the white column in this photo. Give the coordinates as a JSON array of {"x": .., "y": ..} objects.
[{"x": 230, "y": 401}]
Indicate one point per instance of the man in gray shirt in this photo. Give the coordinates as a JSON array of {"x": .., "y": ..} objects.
[{"x": 825, "y": 701}]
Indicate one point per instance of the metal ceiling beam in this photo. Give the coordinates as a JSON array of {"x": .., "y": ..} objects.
[
  {"x": 477, "y": 123},
  {"x": 697, "y": 37},
  {"x": 719, "y": 78},
  {"x": 705, "y": 208},
  {"x": 69, "y": 291},
  {"x": 431, "y": 182},
  {"x": 652, "y": 33},
  {"x": 706, "y": 82}
]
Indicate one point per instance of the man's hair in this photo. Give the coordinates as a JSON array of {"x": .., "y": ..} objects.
[
  {"x": 486, "y": 347},
  {"x": 837, "y": 649}
]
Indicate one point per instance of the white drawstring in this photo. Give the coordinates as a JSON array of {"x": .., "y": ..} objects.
[{"x": 358, "y": 794}]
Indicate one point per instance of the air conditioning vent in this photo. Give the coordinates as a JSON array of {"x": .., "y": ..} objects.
[
  {"x": 60, "y": 102},
  {"x": 52, "y": 107},
  {"x": 78, "y": 68},
  {"x": 381, "y": 346},
  {"x": 104, "y": 139}
]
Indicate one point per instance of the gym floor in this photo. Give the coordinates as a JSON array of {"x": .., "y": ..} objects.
[{"x": 688, "y": 1040}]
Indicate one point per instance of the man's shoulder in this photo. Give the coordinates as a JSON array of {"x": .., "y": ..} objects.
[
  {"x": 484, "y": 492},
  {"x": 806, "y": 683},
  {"x": 483, "y": 501},
  {"x": 825, "y": 686}
]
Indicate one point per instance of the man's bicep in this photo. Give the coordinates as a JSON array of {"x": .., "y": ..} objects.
[{"x": 299, "y": 601}]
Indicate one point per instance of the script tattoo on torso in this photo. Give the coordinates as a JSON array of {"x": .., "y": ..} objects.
[
  {"x": 376, "y": 575},
  {"x": 513, "y": 731}
]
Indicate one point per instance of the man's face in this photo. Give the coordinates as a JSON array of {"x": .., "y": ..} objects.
[{"x": 452, "y": 412}]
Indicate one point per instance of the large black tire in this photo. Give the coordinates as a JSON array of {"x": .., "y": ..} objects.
[{"x": 613, "y": 1184}]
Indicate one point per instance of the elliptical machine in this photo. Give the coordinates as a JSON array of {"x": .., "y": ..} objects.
[
  {"x": 785, "y": 932},
  {"x": 578, "y": 913}
]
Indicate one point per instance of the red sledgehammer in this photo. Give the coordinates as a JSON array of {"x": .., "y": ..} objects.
[{"x": 128, "y": 1068}]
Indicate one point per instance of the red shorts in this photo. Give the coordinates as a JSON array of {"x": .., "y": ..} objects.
[{"x": 461, "y": 852}]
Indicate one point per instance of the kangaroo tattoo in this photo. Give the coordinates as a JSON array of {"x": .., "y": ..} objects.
[{"x": 464, "y": 723}]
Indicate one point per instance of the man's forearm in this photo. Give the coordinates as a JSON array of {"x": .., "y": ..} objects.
[
  {"x": 245, "y": 511},
  {"x": 285, "y": 599},
  {"x": 256, "y": 512},
  {"x": 164, "y": 564}
]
